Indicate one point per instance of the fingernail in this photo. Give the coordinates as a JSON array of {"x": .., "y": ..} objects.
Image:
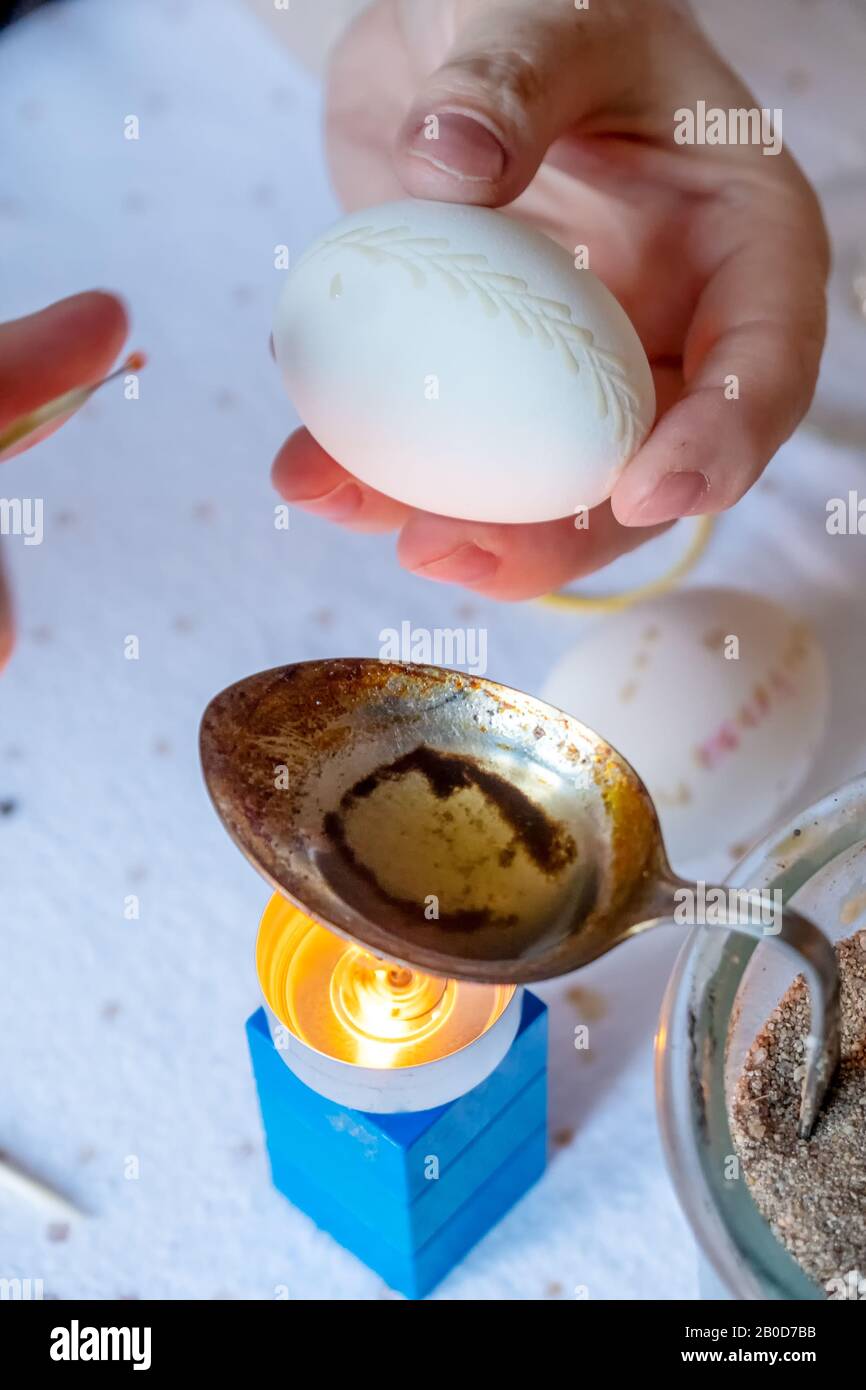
[
  {"x": 340, "y": 504},
  {"x": 468, "y": 564},
  {"x": 678, "y": 494},
  {"x": 460, "y": 146}
]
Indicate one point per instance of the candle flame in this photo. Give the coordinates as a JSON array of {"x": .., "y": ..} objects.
[{"x": 345, "y": 1002}]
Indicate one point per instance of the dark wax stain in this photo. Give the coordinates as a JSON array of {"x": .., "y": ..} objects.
[{"x": 549, "y": 846}]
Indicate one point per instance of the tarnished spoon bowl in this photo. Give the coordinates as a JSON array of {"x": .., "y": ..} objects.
[
  {"x": 442, "y": 820},
  {"x": 454, "y": 825}
]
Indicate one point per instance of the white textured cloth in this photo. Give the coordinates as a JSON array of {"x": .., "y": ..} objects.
[{"x": 124, "y": 1038}]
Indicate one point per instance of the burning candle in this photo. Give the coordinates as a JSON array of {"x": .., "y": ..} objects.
[{"x": 371, "y": 1034}]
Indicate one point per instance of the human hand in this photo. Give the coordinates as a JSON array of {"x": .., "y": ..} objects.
[
  {"x": 718, "y": 253},
  {"x": 42, "y": 356}
]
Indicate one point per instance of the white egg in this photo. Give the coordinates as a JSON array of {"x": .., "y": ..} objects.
[
  {"x": 718, "y": 700},
  {"x": 459, "y": 362}
]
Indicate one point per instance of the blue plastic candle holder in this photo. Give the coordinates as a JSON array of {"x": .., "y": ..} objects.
[{"x": 409, "y": 1194}]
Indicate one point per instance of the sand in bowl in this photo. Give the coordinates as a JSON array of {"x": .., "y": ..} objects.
[{"x": 812, "y": 1192}]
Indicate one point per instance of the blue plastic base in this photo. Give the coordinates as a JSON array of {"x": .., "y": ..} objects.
[{"x": 409, "y": 1194}]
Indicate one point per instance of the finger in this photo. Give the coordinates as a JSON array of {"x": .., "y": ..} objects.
[
  {"x": 518, "y": 74},
  {"x": 750, "y": 367},
  {"x": 309, "y": 478},
  {"x": 72, "y": 343},
  {"x": 305, "y": 475},
  {"x": 513, "y": 562}
]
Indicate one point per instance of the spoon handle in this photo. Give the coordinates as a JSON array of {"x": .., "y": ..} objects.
[{"x": 815, "y": 955}]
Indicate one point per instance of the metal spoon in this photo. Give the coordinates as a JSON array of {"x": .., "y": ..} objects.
[{"x": 460, "y": 827}]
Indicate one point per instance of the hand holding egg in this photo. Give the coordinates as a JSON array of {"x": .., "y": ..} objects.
[{"x": 701, "y": 274}]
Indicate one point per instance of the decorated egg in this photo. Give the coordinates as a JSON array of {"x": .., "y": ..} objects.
[
  {"x": 462, "y": 363},
  {"x": 718, "y": 700}
]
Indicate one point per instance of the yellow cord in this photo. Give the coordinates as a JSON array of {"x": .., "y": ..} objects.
[{"x": 609, "y": 603}]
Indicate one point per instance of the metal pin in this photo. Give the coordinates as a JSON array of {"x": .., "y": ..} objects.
[
  {"x": 70, "y": 401},
  {"x": 20, "y": 1183}
]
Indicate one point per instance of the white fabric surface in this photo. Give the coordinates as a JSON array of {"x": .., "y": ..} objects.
[{"x": 126, "y": 1038}]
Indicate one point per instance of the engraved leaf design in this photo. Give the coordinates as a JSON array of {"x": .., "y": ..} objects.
[{"x": 468, "y": 275}]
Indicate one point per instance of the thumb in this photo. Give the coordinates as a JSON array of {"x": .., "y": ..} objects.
[{"x": 518, "y": 74}]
